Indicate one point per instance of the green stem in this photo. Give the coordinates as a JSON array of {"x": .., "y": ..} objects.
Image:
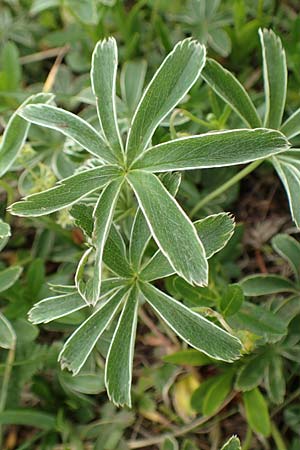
[
  {"x": 239, "y": 176},
  {"x": 5, "y": 383},
  {"x": 280, "y": 445}
]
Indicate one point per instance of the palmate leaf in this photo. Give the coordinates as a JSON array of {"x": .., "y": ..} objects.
[
  {"x": 165, "y": 218},
  {"x": 287, "y": 167},
  {"x": 103, "y": 78},
  {"x": 231, "y": 91},
  {"x": 197, "y": 331},
  {"x": 275, "y": 77},
  {"x": 214, "y": 232},
  {"x": 81, "y": 343},
  {"x": 15, "y": 133},
  {"x": 171, "y": 82},
  {"x": 103, "y": 215},
  {"x": 118, "y": 368},
  {"x": 215, "y": 149},
  {"x": 71, "y": 126},
  {"x": 65, "y": 192}
]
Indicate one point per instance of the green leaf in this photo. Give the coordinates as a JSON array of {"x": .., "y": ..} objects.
[
  {"x": 288, "y": 169},
  {"x": 214, "y": 149},
  {"x": 169, "y": 444},
  {"x": 258, "y": 320},
  {"x": 291, "y": 127},
  {"x": 83, "y": 383},
  {"x": 171, "y": 82},
  {"x": 140, "y": 232},
  {"x": 7, "y": 334},
  {"x": 231, "y": 91},
  {"x": 217, "y": 393},
  {"x": 275, "y": 77},
  {"x": 4, "y": 230},
  {"x": 188, "y": 357},
  {"x": 9, "y": 276},
  {"x": 103, "y": 216},
  {"x": 103, "y": 78},
  {"x": 65, "y": 192},
  {"x": 11, "y": 72},
  {"x": 287, "y": 247},
  {"x": 114, "y": 255},
  {"x": 197, "y": 331},
  {"x": 165, "y": 218},
  {"x": 257, "y": 412},
  {"x": 256, "y": 285},
  {"x": 139, "y": 239},
  {"x": 71, "y": 126},
  {"x": 81, "y": 343},
  {"x": 132, "y": 81},
  {"x": 52, "y": 308},
  {"x": 28, "y": 417},
  {"x": 214, "y": 232},
  {"x": 232, "y": 444},
  {"x": 118, "y": 368},
  {"x": 275, "y": 380},
  {"x": 15, "y": 134},
  {"x": 231, "y": 300},
  {"x": 252, "y": 371}
]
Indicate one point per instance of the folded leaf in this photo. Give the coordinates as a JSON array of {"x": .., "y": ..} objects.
[
  {"x": 287, "y": 247},
  {"x": 217, "y": 393},
  {"x": 4, "y": 230},
  {"x": 257, "y": 412},
  {"x": 81, "y": 343},
  {"x": 291, "y": 127},
  {"x": 252, "y": 371},
  {"x": 231, "y": 91},
  {"x": 71, "y": 126},
  {"x": 15, "y": 133},
  {"x": 288, "y": 169},
  {"x": 118, "y": 368},
  {"x": 132, "y": 81},
  {"x": 232, "y": 444},
  {"x": 9, "y": 276},
  {"x": 139, "y": 239},
  {"x": 275, "y": 77},
  {"x": 275, "y": 380},
  {"x": 214, "y": 232},
  {"x": 55, "y": 307},
  {"x": 114, "y": 255},
  {"x": 197, "y": 331},
  {"x": 7, "y": 334},
  {"x": 171, "y": 82},
  {"x": 215, "y": 149},
  {"x": 171, "y": 228},
  {"x": 256, "y": 285},
  {"x": 103, "y": 216},
  {"x": 103, "y": 78},
  {"x": 65, "y": 192}
]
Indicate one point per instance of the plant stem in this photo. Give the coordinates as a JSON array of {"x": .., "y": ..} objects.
[
  {"x": 239, "y": 176},
  {"x": 5, "y": 383}
]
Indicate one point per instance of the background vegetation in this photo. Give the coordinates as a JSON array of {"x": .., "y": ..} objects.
[{"x": 180, "y": 397}]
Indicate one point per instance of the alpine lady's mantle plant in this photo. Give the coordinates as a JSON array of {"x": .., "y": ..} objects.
[{"x": 184, "y": 247}]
